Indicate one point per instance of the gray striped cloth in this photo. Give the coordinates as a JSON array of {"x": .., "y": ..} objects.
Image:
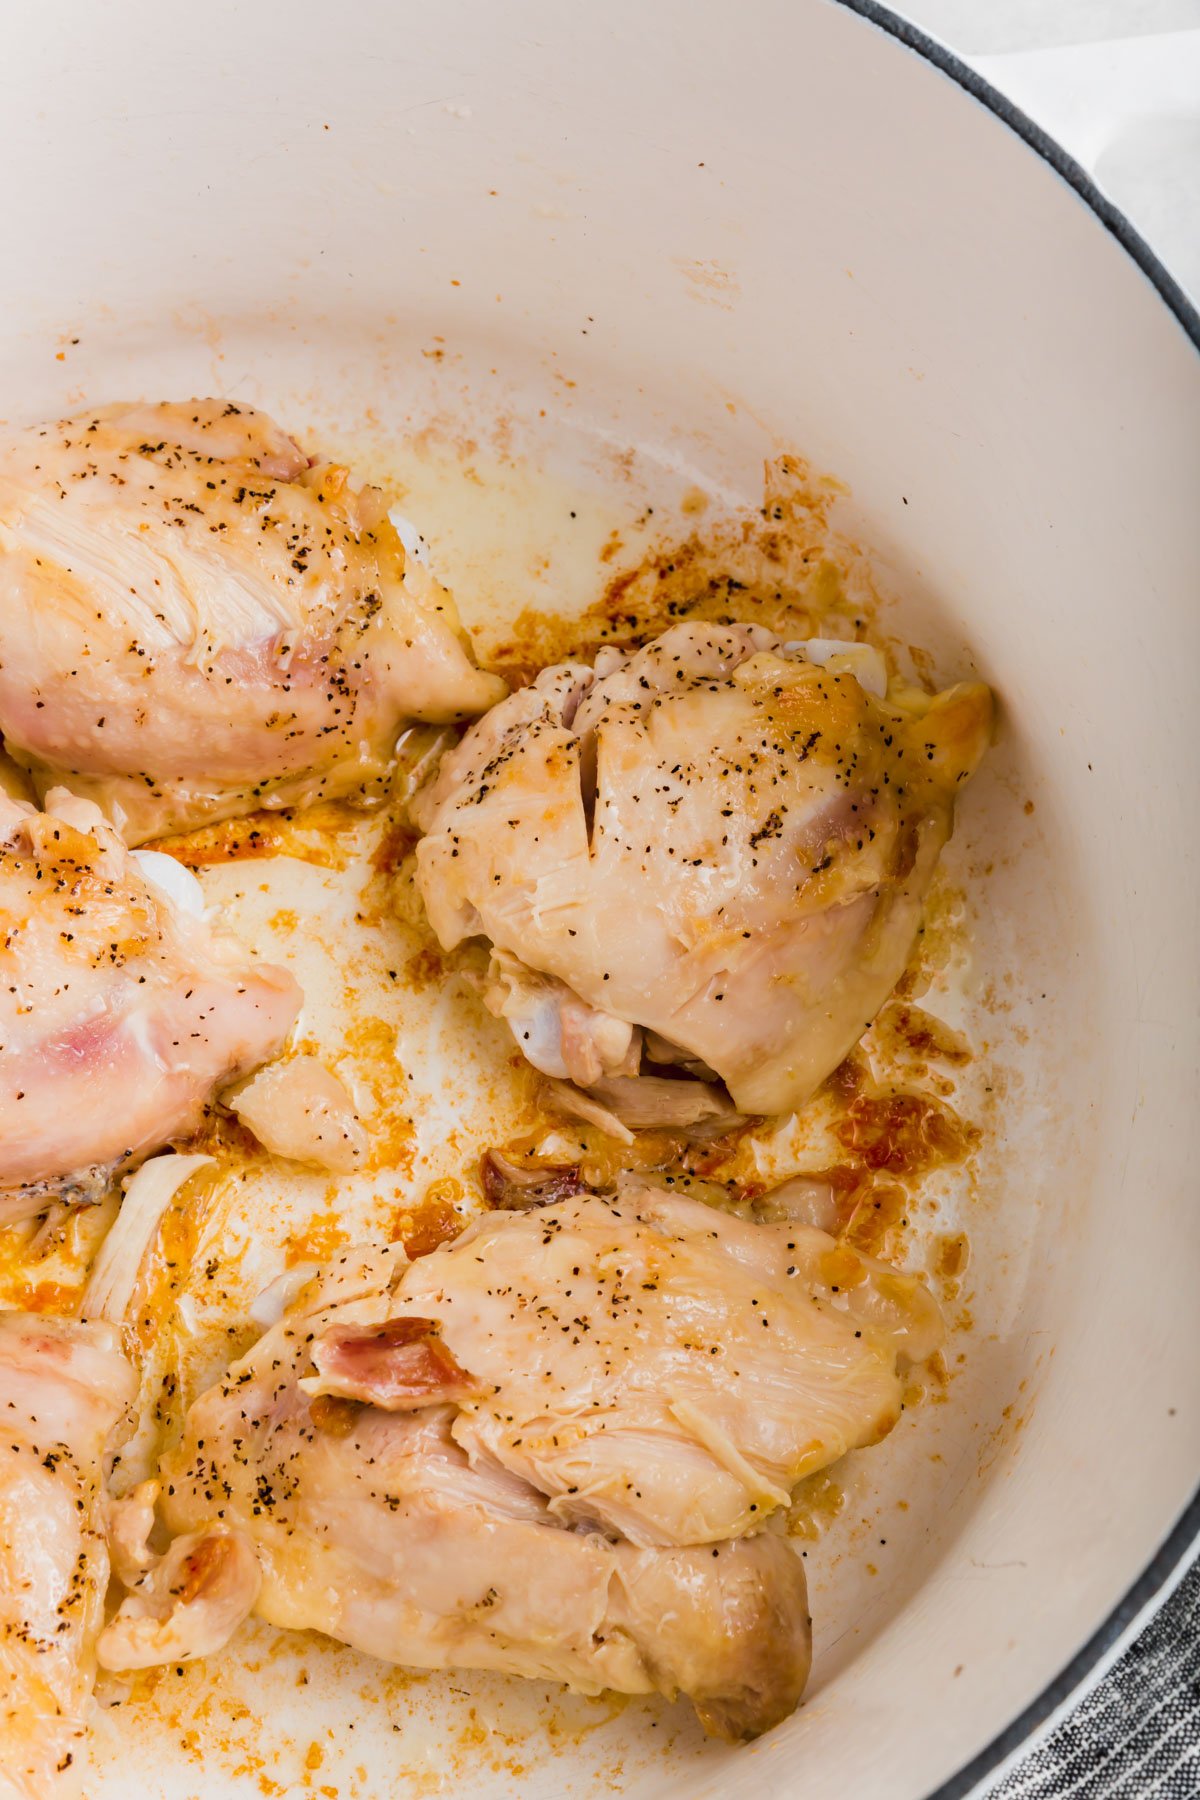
[{"x": 1136, "y": 1734}]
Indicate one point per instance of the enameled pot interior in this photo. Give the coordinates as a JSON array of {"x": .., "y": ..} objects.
[{"x": 707, "y": 235}]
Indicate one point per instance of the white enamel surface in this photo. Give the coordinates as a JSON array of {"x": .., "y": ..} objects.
[{"x": 710, "y": 231}]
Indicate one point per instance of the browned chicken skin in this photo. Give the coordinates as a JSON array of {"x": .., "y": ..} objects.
[
  {"x": 121, "y": 1012},
  {"x": 195, "y": 622},
  {"x": 713, "y": 849},
  {"x": 561, "y": 1446}
]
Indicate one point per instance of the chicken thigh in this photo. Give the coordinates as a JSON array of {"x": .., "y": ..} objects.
[
  {"x": 559, "y": 1446},
  {"x": 195, "y": 621},
  {"x": 711, "y": 852},
  {"x": 121, "y": 1011},
  {"x": 63, "y": 1388}
]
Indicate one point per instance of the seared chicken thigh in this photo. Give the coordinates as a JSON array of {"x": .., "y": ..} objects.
[
  {"x": 658, "y": 1368},
  {"x": 712, "y": 851},
  {"x": 559, "y": 1446},
  {"x": 195, "y": 622},
  {"x": 120, "y": 1010},
  {"x": 63, "y": 1387}
]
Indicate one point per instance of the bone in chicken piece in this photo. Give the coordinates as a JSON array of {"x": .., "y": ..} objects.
[
  {"x": 715, "y": 840},
  {"x": 63, "y": 1388},
  {"x": 619, "y": 1396},
  {"x": 195, "y": 621},
  {"x": 121, "y": 1011},
  {"x": 186, "y": 1604}
]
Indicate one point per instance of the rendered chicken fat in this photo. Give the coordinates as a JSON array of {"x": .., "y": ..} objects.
[
  {"x": 195, "y": 622},
  {"x": 709, "y": 838}
]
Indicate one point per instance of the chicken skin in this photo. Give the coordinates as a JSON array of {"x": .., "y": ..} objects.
[
  {"x": 63, "y": 1388},
  {"x": 711, "y": 852},
  {"x": 196, "y": 622},
  {"x": 120, "y": 1010},
  {"x": 559, "y": 1446}
]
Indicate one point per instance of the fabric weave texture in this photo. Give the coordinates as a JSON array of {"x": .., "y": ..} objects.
[{"x": 1136, "y": 1734}]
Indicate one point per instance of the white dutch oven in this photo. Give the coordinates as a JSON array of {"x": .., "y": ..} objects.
[{"x": 710, "y": 230}]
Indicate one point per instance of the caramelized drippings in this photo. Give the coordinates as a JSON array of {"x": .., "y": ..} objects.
[
  {"x": 397, "y": 842},
  {"x": 818, "y": 1500},
  {"x": 875, "y": 1217},
  {"x": 785, "y": 567},
  {"x": 310, "y": 835},
  {"x": 434, "y": 1220},
  {"x": 904, "y": 1133}
]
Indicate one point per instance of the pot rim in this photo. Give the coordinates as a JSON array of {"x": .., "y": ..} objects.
[{"x": 1182, "y": 1544}]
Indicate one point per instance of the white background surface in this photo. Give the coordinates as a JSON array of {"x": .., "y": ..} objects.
[{"x": 1117, "y": 82}]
